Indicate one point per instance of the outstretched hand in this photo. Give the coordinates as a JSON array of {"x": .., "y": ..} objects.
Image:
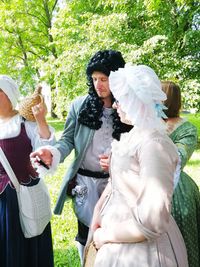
[{"x": 41, "y": 154}]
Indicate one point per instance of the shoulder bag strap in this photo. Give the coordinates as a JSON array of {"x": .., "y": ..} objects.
[{"x": 9, "y": 169}]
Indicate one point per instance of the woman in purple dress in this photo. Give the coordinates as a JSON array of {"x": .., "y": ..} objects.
[{"x": 17, "y": 139}]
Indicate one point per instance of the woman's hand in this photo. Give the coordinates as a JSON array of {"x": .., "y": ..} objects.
[
  {"x": 99, "y": 238},
  {"x": 39, "y": 112}
]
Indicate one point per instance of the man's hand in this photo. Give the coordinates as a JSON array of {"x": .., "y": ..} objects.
[
  {"x": 104, "y": 161},
  {"x": 43, "y": 154}
]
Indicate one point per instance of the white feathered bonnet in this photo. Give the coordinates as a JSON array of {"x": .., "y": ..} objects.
[
  {"x": 10, "y": 88},
  {"x": 139, "y": 92}
]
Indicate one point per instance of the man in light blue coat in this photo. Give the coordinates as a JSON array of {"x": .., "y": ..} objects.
[{"x": 89, "y": 129}]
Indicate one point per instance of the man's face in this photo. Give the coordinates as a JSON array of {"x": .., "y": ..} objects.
[{"x": 101, "y": 84}]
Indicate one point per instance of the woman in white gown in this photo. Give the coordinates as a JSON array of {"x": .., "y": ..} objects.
[{"x": 132, "y": 225}]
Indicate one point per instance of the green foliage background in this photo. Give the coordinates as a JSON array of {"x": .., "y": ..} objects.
[{"x": 52, "y": 41}]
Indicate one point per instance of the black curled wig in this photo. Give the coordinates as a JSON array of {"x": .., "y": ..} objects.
[{"x": 91, "y": 111}]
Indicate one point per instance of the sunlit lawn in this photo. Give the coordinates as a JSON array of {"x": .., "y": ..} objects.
[{"x": 64, "y": 226}]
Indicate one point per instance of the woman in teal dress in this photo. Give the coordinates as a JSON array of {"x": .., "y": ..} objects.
[{"x": 186, "y": 198}]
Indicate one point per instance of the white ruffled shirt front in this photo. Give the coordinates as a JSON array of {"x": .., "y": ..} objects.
[{"x": 12, "y": 128}]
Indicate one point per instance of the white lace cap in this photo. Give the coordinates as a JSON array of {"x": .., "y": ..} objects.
[
  {"x": 139, "y": 92},
  {"x": 10, "y": 88}
]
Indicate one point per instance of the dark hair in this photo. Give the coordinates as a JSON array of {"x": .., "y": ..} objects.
[
  {"x": 104, "y": 61},
  {"x": 91, "y": 112},
  {"x": 173, "y": 102}
]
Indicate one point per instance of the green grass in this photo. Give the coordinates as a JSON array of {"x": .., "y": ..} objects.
[{"x": 64, "y": 226}]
